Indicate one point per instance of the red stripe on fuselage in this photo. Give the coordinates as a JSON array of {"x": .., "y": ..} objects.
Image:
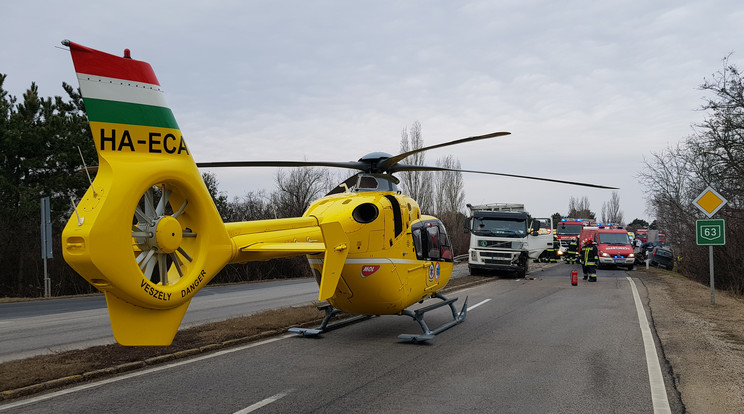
[{"x": 94, "y": 62}]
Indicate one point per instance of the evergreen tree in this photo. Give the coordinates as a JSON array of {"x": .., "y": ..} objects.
[{"x": 39, "y": 157}]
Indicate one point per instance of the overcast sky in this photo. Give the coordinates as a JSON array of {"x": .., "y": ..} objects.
[{"x": 586, "y": 88}]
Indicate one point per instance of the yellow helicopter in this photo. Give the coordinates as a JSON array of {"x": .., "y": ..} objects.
[{"x": 148, "y": 235}]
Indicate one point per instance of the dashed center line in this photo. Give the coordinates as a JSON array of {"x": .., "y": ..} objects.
[{"x": 264, "y": 402}]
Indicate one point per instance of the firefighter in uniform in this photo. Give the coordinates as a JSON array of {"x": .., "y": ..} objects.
[
  {"x": 573, "y": 251},
  {"x": 556, "y": 249},
  {"x": 550, "y": 253},
  {"x": 590, "y": 259},
  {"x": 582, "y": 253}
]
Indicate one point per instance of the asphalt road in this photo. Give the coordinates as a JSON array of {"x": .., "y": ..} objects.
[
  {"x": 45, "y": 326},
  {"x": 527, "y": 346}
]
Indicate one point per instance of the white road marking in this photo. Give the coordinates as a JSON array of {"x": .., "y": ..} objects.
[
  {"x": 264, "y": 402},
  {"x": 655, "y": 379},
  {"x": 478, "y": 304}
]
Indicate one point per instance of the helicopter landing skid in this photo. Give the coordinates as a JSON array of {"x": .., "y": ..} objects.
[
  {"x": 330, "y": 312},
  {"x": 418, "y": 316}
]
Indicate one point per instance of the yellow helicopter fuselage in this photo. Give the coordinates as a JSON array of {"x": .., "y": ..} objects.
[{"x": 385, "y": 270}]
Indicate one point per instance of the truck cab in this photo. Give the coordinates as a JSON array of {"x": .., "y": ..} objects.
[{"x": 505, "y": 239}]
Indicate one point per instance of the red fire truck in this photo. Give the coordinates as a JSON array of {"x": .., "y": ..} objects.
[
  {"x": 642, "y": 235},
  {"x": 570, "y": 228}
]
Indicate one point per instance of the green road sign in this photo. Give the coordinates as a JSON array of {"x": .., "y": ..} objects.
[{"x": 711, "y": 232}]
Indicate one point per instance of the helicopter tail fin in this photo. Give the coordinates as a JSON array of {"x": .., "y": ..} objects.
[{"x": 147, "y": 224}]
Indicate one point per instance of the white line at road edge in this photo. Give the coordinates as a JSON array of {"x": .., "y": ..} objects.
[
  {"x": 164, "y": 367},
  {"x": 264, "y": 402},
  {"x": 655, "y": 379}
]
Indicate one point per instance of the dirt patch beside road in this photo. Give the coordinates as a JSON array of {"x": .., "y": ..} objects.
[{"x": 703, "y": 342}]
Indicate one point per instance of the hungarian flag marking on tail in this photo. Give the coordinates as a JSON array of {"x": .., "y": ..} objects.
[{"x": 125, "y": 104}]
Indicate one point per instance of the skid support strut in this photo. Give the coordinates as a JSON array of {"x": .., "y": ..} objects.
[
  {"x": 330, "y": 312},
  {"x": 418, "y": 316}
]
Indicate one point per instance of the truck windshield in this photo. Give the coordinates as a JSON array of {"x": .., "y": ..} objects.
[
  {"x": 613, "y": 238},
  {"x": 570, "y": 229},
  {"x": 499, "y": 227}
]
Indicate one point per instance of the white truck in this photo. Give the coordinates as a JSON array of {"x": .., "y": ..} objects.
[{"x": 503, "y": 236}]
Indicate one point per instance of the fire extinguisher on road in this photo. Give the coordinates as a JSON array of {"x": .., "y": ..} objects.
[{"x": 574, "y": 278}]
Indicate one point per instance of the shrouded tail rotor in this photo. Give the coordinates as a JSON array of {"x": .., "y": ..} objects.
[{"x": 159, "y": 238}]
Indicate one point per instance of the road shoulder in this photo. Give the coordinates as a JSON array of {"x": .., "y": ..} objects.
[{"x": 702, "y": 342}]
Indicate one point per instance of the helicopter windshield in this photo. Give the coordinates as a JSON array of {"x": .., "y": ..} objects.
[{"x": 367, "y": 182}]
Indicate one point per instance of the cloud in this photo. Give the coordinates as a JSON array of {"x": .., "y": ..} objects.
[{"x": 586, "y": 88}]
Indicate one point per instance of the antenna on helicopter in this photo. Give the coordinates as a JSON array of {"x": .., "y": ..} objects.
[{"x": 85, "y": 167}]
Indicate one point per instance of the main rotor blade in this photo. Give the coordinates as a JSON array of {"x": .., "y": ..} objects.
[
  {"x": 222, "y": 164},
  {"x": 405, "y": 167},
  {"x": 388, "y": 163}
]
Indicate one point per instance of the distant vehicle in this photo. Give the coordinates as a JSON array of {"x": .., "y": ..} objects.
[
  {"x": 642, "y": 235},
  {"x": 570, "y": 228},
  {"x": 503, "y": 236},
  {"x": 587, "y": 235},
  {"x": 613, "y": 246},
  {"x": 662, "y": 256}
]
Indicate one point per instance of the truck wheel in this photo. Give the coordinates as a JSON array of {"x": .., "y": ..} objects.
[
  {"x": 522, "y": 271},
  {"x": 473, "y": 271},
  {"x": 630, "y": 267}
]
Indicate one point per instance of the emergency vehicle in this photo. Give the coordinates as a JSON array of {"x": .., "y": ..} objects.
[
  {"x": 642, "y": 235},
  {"x": 613, "y": 246},
  {"x": 570, "y": 228}
]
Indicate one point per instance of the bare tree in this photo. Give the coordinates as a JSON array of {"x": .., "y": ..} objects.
[
  {"x": 611, "y": 210},
  {"x": 417, "y": 184},
  {"x": 713, "y": 156},
  {"x": 251, "y": 206},
  {"x": 579, "y": 208},
  {"x": 671, "y": 188},
  {"x": 449, "y": 191},
  {"x": 297, "y": 188},
  {"x": 449, "y": 197}
]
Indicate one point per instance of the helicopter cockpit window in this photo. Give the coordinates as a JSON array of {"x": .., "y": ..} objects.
[
  {"x": 367, "y": 183},
  {"x": 431, "y": 242},
  {"x": 418, "y": 243},
  {"x": 433, "y": 245}
]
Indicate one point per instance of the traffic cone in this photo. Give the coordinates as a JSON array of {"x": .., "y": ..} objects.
[{"x": 574, "y": 278}]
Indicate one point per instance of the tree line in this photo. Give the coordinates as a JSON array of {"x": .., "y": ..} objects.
[
  {"x": 43, "y": 142},
  {"x": 713, "y": 155}
]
